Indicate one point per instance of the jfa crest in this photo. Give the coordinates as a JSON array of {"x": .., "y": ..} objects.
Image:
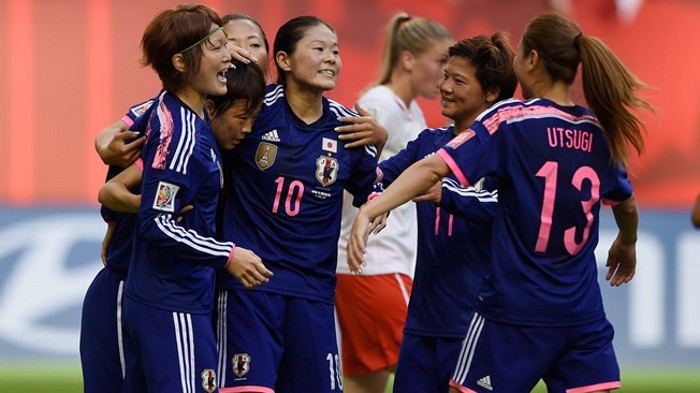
[
  {"x": 165, "y": 197},
  {"x": 240, "y": 364},
  {"x": 209, "y": 380},
  {"x": 326, "y": 170},
  {"x": 265, "y": 155}
]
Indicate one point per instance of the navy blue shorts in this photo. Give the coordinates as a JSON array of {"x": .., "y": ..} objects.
[
  {"x": 101, "y": 326},
  {"x": 168, "y": 351},
  {"x": 497, "y": 357},
  {"x": 275, "y": 343},
  {"x": 426, "y": 363}
]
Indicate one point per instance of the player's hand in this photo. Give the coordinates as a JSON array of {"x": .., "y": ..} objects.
[
  {"x": 433, "y": 194},
  {"x": 181, "y": 214},
  {"x": 362, "y": 130},
  {"x": 248, "y": 268},
  {"x": 622, "y": 262},
  {"x": 357, "y": 242},
  {"x": 378, "y": 224},
  {"x": 240, "y": 54},
  {"x": 105, "y": 242},
  {"x": 122, "y": 150}
]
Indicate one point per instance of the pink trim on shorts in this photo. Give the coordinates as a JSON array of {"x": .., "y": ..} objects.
[
  {"x": 596, "y": 387},
  {"x": 609, "y": 202},
  {"x": 461, "y": 388},
  {"x": 453, "y": 167},
  {"x": 139, "y": 163},
  {"x": 249, "y": 388}
]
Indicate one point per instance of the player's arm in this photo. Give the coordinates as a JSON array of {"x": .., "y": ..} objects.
[
  {"x": 477, "y": 202},
  {"x": 622, "y": 256},
  {"x": 120, "y": 193},
  {"x": 695, "y": 216},
  {"x": 414, "y": 180},
  {"x": 116, "y": 145},
  {"x": 362, "y": 130}
]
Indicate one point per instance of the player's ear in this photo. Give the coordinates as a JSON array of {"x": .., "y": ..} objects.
[
  {"x": 492, "y": 95},
  {"x": 407, "y": 60},
  {"x": 179, "y": 62},
  {"x": 209, "y": 106},
  {"x": 282, "y": 59}
]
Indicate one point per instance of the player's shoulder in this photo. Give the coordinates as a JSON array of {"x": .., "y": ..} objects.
[
  {"x": 338, "y": 109},
  {"x": 274, "y": 95}
]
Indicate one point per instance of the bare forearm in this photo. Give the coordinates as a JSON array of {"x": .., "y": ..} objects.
[
  {"x": 117, "y": 197},
  {"x": 414, "y": 180},
  {"x": 696, "y": 212},
  {"x": 627, "y": 219}
]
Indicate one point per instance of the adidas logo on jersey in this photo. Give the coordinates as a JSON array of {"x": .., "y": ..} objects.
[
  {"x": 485, "y": 383},
  {"x": 271, "y": 136}
]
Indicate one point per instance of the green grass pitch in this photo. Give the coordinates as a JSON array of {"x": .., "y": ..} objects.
[{"x": 65, "y": 378}]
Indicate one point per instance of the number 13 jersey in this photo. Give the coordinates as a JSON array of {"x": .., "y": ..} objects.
[{"x": 554, "y": 168}]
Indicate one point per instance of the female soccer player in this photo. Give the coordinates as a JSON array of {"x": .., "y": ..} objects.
[
  {"x": 478, "y": 73},
  {"x": 285, "y": 204},
  {"x": 168, "y": 295},
  {"x": 540, "y": 312},
  {"x": 372, "y": 307}
]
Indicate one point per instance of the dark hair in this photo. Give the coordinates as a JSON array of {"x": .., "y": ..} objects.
[
  {"x": 610, "y": 89},
  {"x": 493, "y": 60},
  {"x": 289, "y": 34},
  {"x": 171, "y": 32},
  {"x": 245, "y": 82}
]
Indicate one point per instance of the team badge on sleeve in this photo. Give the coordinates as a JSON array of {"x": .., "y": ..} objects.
[
  {"x": 140, "y": 109},
  {"x": 240, "y": 364},
  {"x": 165, "y": 197},
  {"x": 265, "y": 155},
  {"x": 326, "y": 170},
  {"x": 209, "y": 380}
]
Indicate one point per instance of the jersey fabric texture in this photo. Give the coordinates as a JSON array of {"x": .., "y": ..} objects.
[
  {"x": 172, "y": 263},
  {"x": 286, "y": 196},
  {"x": 554, "y": 168},
  {"x": 285, "y": 344},
  {"x": 453, "y": 251},
  {"x": 393, "y": 250},
  {"x": 568, "y": 358},
  {"x": 101, "y": 329}
]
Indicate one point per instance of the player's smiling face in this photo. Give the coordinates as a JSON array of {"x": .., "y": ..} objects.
[
  {"x": 233, "y": 125},
  {"x": 463, "y": 98},
  {"x": 315, "y": 61},
  {"x": 211, "y": 77},
  {"x": 247, "y": 35}
]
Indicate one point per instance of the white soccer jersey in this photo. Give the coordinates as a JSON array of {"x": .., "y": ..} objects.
[{"x": 394, "y": 249}]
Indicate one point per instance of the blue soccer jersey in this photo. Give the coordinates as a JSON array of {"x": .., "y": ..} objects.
[
  {"x": 554, "y": 168},
  {"x": 453, "y": 252},
  {"x": 120, "y": 244},
  {"x": 172, "y": 263},
  {"x": 286, "y": 196}
]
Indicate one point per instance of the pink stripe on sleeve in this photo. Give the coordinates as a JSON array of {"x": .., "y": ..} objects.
[
  {"x": 126, "y": 119},
  {"x": 596, "y": 388},
  {"x": 139, "y": 163},
  {"x": 453, "y": 167},
  {"x": 230, "y": 258}
]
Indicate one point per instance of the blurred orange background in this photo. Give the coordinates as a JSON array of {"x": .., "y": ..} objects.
[{"x": 68, "y": 68}]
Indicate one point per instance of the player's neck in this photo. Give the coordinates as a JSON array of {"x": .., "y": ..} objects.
[
  {"x": 400, "y": 85},
  {"x": 193, "y": 99},
  {"x": 306, "y": 105}
]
